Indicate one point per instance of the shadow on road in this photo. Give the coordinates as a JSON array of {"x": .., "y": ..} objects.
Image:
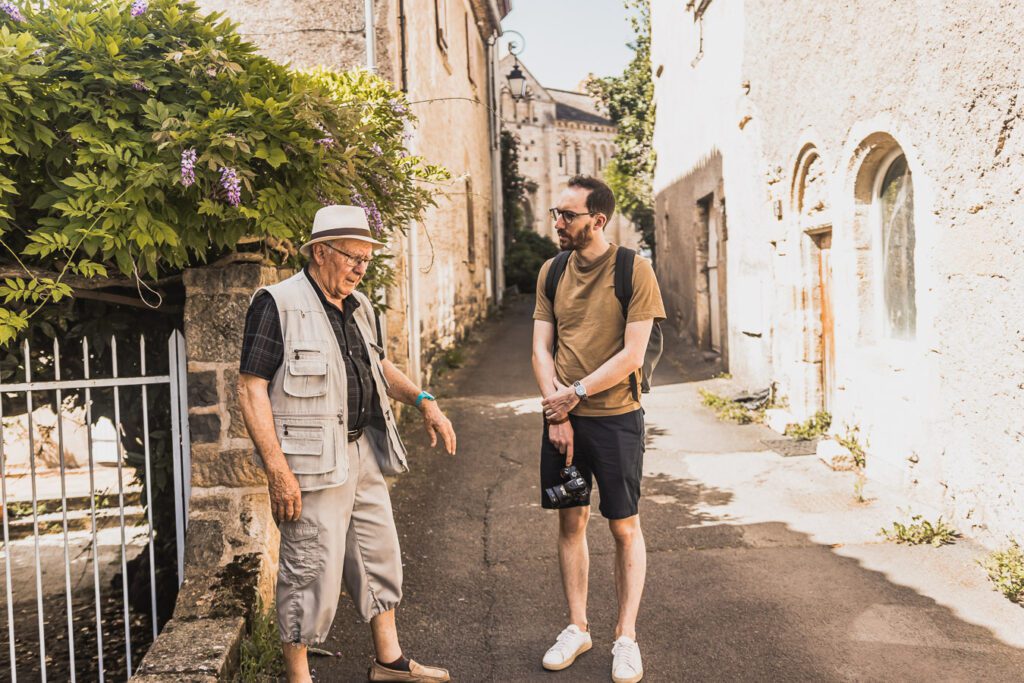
[{"x": 724, "y": 601}]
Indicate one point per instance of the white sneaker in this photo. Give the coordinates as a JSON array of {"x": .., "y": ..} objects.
[
  {"x": 626, "y": 664},
  {"x": 571, "y": 643}
]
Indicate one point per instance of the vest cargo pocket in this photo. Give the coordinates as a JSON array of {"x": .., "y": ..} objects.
[
  {"x": 308, "y": 446},
  {"x": 305, "y": 372}
]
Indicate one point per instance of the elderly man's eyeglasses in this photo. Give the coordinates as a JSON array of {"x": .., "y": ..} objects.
[
  {"x": 567, "y": 216},
  {"x": 348, "y": 258}
]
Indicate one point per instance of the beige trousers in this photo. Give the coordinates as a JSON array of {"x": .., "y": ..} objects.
[{"x": 346, "y": 533}]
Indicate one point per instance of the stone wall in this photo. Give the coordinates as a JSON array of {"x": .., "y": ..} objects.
[
  {"x": 231, "y": 542},
  {"x": 772, "y": 87},
  {"x": 451, "y": 269}
]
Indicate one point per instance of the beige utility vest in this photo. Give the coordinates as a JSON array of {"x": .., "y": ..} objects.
[{"x": 309, "y": 392}]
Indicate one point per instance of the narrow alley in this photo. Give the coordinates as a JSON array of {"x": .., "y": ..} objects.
[{"x": 760, "y": 567}]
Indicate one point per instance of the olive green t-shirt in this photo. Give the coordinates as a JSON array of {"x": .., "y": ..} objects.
[{"x": 588, "y": 320}]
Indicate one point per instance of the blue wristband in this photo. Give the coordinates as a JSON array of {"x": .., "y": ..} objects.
[{"x": 424, "y": 395}]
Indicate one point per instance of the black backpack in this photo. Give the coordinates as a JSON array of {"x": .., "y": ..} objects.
[{"x": 624, "y": 293}]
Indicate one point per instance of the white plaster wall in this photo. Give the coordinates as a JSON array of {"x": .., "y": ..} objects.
[
  {"x": 701, "y": 105},
  {"x": 942, "y": 415}
]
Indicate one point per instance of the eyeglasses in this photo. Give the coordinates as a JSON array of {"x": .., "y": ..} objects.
[
  {"x": 352, "y": 261},
  {"x": 567, "y": 216}
]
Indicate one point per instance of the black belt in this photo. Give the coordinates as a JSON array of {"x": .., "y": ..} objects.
[{"x": 354, "y": 434}]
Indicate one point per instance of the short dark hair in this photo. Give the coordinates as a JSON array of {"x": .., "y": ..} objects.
[{"x": 600, "y": 199}]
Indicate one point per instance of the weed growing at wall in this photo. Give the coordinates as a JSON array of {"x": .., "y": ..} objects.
[
  {"x": 1006, "y": 570},
  {"x": 137, "y": 140},
  {"x": 814, "y": 427},
  {"x": 729, "y": 410},
  {"x": 919, "y": 531},
  {"x": 851, "y": 442},
  {"x": 260, "y": 657}
]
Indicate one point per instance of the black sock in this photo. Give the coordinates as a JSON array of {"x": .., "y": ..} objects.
[{"x": 400, "y": 664}]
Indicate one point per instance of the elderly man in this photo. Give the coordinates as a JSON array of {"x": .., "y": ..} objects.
[{"x": 314, "y": 386}]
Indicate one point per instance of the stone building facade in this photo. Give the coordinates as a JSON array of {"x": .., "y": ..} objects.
[
  {"x": 443, "y": 54},
  {"x": 839, "y": 212},
  {"x": 561, "y": 133}
]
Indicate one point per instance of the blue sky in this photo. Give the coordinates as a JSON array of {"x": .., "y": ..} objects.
[{"x": 567, "y": 39}]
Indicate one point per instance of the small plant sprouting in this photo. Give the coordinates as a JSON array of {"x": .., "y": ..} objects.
[
  {"x": 920, "y": 531},
  {"x": 1006, "y": 570},
  {"x": 260, "y": 657},
  {"x": 815, "y": 426},
  {"x": 851, "y": 442},
  {"x": 723, "y": 375},
  {"x": 729, "y": 410}
]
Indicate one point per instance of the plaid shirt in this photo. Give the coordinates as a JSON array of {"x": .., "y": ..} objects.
[{"x": 263, "y": 349}]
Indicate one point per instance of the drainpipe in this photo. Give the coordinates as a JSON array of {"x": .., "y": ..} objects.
[
  {"x": 497, "y": 226},
  {"x": 413, "y": 267},
  {"x": 412, "y": 260},
  {"x": 371, "y": 42}
]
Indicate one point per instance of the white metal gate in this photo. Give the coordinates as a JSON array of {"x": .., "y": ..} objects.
[{"x": 52, "y": 531}]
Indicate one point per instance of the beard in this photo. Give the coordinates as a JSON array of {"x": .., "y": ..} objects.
[{"x": 568, "y": 242}]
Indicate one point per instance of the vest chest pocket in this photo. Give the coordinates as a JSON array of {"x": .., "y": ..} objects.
[
  {"x": 306, "y": 371},
  {"x": 308, "y": 445}
]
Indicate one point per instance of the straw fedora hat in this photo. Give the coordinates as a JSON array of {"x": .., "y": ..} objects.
[{"x": 338, "y": 222}]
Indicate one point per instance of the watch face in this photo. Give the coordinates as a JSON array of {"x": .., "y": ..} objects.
[{"x": 580, "y": 391}]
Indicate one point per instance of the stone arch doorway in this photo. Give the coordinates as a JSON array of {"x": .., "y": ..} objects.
[{"x": 810, "y": 204}]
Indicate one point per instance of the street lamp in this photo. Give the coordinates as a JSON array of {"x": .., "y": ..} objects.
[{"x": 516, "y": 78}]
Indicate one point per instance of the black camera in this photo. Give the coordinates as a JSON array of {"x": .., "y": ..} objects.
[{"x": 572, "y": 491}]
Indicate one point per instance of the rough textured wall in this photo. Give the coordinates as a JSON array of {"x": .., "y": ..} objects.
[
  {"x": 231, "y": 548},
  {"x": 453, "y": 276},
  {"x": 940, "y": 81},
  {"x": 306, "y": 33},
  {"x": 943, "y": 79},
  {"x": 703, "y": 116}
]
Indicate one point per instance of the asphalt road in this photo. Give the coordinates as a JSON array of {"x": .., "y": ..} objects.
[{"x": 724, "y": 601}]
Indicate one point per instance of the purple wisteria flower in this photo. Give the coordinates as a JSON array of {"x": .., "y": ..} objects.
[
  {"x": 231, "y": 184},
  {"x": 12, "y": 11},
  {"x": 140, "y": 86},
  {"x": 398, "y": 108},
  {"x": 375, "y": 148},
  {"x": 327, "y": 142},
  {"x": 188, "y": 167},
  {"x": 372, "y": 213},
  {"x": 139, "y": 8}
]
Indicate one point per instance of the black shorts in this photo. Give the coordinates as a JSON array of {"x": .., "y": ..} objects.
[{"x": 610, "y": 449}]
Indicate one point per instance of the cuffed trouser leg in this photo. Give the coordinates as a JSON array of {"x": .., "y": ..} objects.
[
  {"x": 344, "y": 531},
  {"x": 373, "y": 559}
]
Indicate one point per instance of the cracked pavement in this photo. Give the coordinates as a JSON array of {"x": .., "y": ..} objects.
[{"x": 760, "y": 567}]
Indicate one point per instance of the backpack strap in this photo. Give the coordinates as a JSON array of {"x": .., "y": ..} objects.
[
  {"x": 555, "y": 273},
  {"x": 624, "y": 278},
  {"x": 624, "y": 259}
]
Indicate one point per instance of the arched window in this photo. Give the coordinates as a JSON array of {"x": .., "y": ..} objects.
[{"x": 894, "y": 200}]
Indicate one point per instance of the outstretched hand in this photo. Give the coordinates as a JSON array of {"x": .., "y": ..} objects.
[
  {"x": 558, "y": 404},
  {"x": 436, "y": 423}
]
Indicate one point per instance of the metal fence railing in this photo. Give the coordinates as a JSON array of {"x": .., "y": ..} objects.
[{"x": 94, "y": 490}]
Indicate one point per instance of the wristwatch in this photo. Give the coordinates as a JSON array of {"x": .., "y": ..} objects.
[
  {"x": 424, "y": 395},
  {"x": 581, "y": 391}
]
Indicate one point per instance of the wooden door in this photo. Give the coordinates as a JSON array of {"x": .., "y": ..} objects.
[
  {"x": 714, "y": 305},
  {"x": 828, "y": 338}
]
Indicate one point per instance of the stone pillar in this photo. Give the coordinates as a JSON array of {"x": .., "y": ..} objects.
[{"x": 231, "y": 543}]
